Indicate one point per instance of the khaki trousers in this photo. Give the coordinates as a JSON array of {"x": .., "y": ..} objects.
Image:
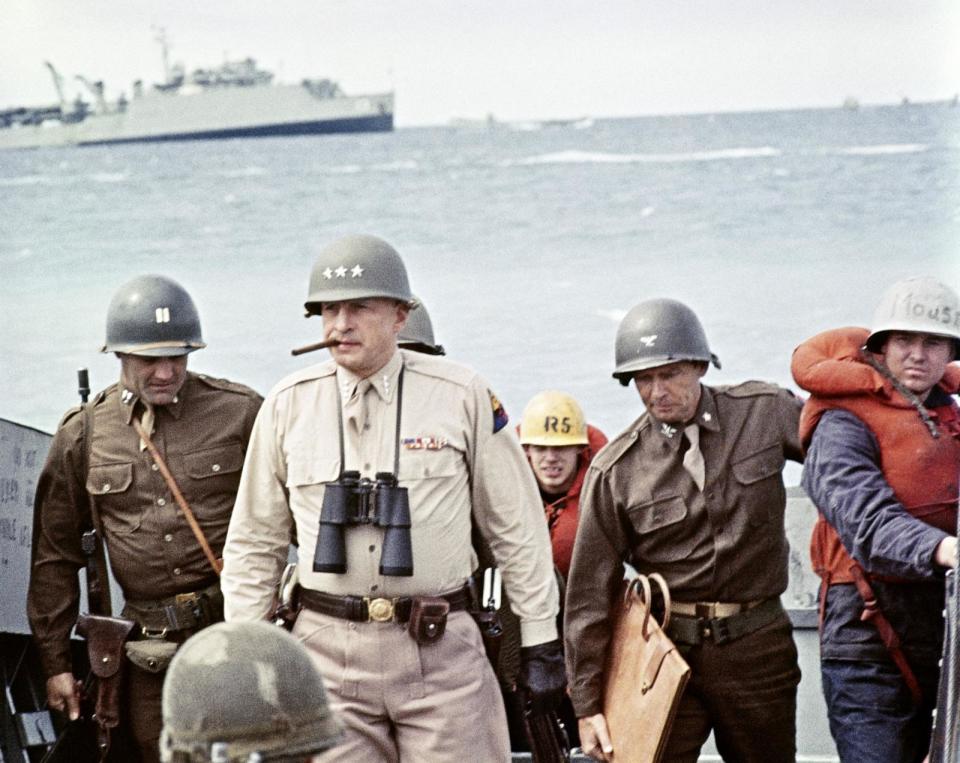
[{"x": 400, "y": 701}]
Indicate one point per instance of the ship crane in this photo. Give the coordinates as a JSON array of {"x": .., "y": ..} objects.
[
  {"x": 96, "y": 90},
  {"x": 58, "y": 84}
]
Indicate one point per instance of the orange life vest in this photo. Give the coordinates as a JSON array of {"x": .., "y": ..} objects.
[
  {"x": 563, "y": 514},
  {"x": 923, "y": 471}
]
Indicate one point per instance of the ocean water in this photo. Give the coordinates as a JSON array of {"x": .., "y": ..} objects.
[{"x": 527, "y": 245}]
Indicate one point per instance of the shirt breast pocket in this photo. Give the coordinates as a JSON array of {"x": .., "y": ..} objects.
[
  {"x": 212, "y": 474},
  {"x": 760, "y": 484},
  {"x": 307, "y": 478},
  {"x": 436, "y": 481},
  {"x": 659, "y": 528},
  {"x": 109, "y": 484}
]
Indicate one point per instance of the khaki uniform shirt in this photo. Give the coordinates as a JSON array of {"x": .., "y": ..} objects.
[
  {"x": 153, "y": 554},
  {"x": 451, "y": 461},
  {"x": 639, "y": 505}
]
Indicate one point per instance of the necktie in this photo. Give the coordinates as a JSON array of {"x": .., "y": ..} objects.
[
  {"x": 146, "y": 421},
  {"x": 693, "y": 458},
  {"x": 355, "y": 407}
]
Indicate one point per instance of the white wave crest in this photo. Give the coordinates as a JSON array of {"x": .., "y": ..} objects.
[
  {"x": 109, "y": 177},
  {"x": 245, "y": 172},
  {"x": 613, "y": 314},
  {"x": 408, "y": 164},
  {"x": 344, "y": 169},
  {"x": 893, "y": 148},
  {"x": 599, "y": 157},
  {"x": 25, "y": 180}
]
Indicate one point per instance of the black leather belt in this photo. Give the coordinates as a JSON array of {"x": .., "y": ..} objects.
[
  {"x": 691, "y": 631},
  {"x": 365, "y": 609},
  {"x": 183, "y": 611}
]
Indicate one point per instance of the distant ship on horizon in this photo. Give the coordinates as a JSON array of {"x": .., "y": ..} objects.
[{"x": 234, "y": 100}]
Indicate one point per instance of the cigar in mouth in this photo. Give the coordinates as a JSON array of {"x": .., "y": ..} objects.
[{"x": 315, "y": 346}]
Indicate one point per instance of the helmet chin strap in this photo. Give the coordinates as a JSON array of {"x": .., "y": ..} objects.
[{"x": 915, "y": 401}]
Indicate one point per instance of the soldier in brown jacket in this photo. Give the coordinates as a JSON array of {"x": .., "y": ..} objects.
[
  {"x": 201, "y": 427},
  {"x": 692, "y": 490}
]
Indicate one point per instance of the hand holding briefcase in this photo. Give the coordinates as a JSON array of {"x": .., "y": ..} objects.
[{"x": 645, "y": 676}]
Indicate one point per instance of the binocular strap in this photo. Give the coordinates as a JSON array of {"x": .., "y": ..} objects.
[{"x": 396, "y": 444}]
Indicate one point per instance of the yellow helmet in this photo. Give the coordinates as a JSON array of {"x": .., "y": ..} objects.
[{"x": 553, "y": 418}]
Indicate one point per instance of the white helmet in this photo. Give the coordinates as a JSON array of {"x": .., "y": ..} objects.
[{"x": 922, "y": 305}]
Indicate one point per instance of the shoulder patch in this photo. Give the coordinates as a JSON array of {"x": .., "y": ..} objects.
[
  {"x": 500, "y": 417},
  {"x": 751, "y": 388}
]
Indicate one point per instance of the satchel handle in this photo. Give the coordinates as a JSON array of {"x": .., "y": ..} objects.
[
  {"x": 632, "y": 595},
  {"x": 657, "y": 578},
  {"x": 633, "y": 592}
]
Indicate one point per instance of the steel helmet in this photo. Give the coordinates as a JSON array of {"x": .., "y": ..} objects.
[
  {"x": 357, "y": 267},
  {"x": 417, "y": 333},
  {"x": 922, "y": 305},
  {"x": 154, "y": 316},
  {"x": 657, "y": 332},
  {"x": 553, "y": 418},
  {"x": 244, "y": 691}
]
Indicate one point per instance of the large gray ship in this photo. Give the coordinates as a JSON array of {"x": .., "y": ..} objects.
[{"x": 235, "y": 100}]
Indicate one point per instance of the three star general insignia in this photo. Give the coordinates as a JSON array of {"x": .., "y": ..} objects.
[
  {"x": 423, "y": 443},
  {"x": 500, "y": 417},
  {"x": 341, "y": 272}
]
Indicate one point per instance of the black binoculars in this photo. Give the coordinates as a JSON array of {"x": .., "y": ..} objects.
[{"x": 353, "y": 500}]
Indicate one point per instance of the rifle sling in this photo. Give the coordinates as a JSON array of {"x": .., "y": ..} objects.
[{"x": 98, "y": 583}]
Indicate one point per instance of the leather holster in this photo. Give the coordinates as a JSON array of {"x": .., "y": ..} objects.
[{"x": 105, "y": 639}]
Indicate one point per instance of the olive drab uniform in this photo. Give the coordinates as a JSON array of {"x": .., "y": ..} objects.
[
  {"x": 154, "y": 556},
  {"x": 702, "y": 503},
  {"x": 457, "y": 456},
  {"x": 725, "y": 543}
]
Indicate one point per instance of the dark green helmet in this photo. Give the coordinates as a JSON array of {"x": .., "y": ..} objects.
[
  {"x": 417, "y": 333},
  {"x": 658, "y": 332},
  {"x": 154, "y": 316},
  {"x": 244, "y": 692},
  {"x": 357, "y": 267}
]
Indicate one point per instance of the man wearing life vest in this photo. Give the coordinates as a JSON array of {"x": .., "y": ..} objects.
[
  {"x": 559, "y": 444},
  {"x": 882, "y": 434}
]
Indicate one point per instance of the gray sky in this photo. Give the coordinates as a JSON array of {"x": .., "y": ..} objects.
[{"x": 517, "y": 59}]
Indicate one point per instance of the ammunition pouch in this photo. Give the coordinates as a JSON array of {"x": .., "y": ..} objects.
[
  {"x": 428, "y": 618},
  {"x": 184, "y": 611},
  {"x": 151, "y": 654},
  {"x": 105, "y": 639}
]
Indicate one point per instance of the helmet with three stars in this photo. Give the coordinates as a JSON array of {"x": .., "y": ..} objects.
[
  {"x": 357, "y": 267},
  {"x": 153, "y": 316},
  {"x": 417, "y": 333},
  {"x": 658, "y": 332}
]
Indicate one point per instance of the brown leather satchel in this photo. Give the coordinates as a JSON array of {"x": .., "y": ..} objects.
[{"x": 645, "y": 677}]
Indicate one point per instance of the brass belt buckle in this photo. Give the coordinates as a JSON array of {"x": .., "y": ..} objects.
[{"x": 379, "y": 610}]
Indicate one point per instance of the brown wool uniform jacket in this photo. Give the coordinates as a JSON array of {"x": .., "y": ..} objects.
[
  {"x": 639, "y": 505},
  {"x": 153, "y": 554}
]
